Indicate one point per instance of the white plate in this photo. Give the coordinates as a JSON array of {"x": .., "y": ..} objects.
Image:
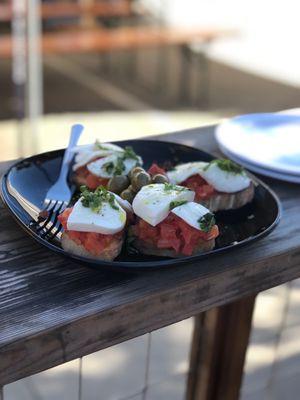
[
  {"x": 259, "y": 170},
  {"x": 269, "y": 140}
]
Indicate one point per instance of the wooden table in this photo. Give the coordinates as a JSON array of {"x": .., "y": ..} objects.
[{"x": 53, "y": 310}]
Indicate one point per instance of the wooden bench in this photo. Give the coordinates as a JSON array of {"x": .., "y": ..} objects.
[
  {"x": 124, "y": 38},
  {"x": 120, "y": 8}
]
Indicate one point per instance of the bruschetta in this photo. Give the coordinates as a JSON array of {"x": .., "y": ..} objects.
[
  {"x": 95, "y": 226},
  {"x": 96, "y": 164},
  {"x": 219, "y": 185},
  {"x": 169, "y": 223}
]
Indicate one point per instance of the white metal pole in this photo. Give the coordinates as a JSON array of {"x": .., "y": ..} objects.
[
  {"x": 19, "y": 67},
  {"x": 35, "y": 70}
]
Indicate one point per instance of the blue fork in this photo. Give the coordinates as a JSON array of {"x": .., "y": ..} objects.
[{"x": 59, "y": 195}]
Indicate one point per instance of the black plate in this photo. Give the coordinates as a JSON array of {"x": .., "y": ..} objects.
[{"x": 33, "y": 176}]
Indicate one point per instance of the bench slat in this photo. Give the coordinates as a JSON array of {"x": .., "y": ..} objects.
[
  {"x": 120, "y": 8},
  {"x": 125, "y": 38}
]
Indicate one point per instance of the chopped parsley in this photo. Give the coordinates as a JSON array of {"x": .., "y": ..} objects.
[
  {"x": 226, "y": 165},
  {"x": 174, "y": 204},
  {"x": 108, "y": 167},
  {"x": 95, "y": 200},
  {"x": 99, "y": 146},
  {"x": 206, "y": 222},
  {"x": 130, "y": 153},
  {"x": 118, "y": 167},
  {"x": 169, "y": 187}
]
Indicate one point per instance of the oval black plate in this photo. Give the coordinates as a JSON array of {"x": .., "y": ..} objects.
[{"x": 33, "y": 176}]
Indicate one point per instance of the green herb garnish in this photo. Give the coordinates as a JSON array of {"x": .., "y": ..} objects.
[
  {"x": 130, "y": 153},
  {"x": 169, "y": 187},
  {"x": 206, "y": 222},
  {"x": 174, "y": 204},
  {"x": 119, "y": 167},
  {"x": 95, "y": 200},
  {"x": 226, "y": 165},
  {"x": 99, "y": 146},
  {"x": 108, "y": 167}
]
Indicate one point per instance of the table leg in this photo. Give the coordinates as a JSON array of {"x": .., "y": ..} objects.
[{"x": 218, "y": 350}]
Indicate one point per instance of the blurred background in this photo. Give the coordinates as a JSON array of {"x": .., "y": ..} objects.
[{"x": 130, "y": 68}]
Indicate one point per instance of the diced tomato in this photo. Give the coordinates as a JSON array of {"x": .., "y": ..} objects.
[
  {"x": 92, "y": 181},
  {"x": 201, "y": 188},
  {"x": 63, "y": 217},
  {"x": 93, "y": 242},
  {"x": 155, "y": 169},
  {"x": 173, "y": 233},
  {"x": 82, "y": 171}
]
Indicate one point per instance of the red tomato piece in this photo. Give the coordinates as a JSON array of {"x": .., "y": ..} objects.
[
  {"x": 93, "y": 242},
  {"x": 155, "y": 169},
  {"x": 92, "y": 181},
  {"x": 201, "y": 188},
  {"x": 173, "y": 233}
]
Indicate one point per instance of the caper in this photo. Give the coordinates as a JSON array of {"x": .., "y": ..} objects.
[
  {"x": 140, "y": 179},
  {"x": 130, "y": 187},
  {"x": 160, "y": 178},
  {"x": 135, "y": 170},
  {"x": 128, "y": 195},
  {"x": 118, "y": 183}
]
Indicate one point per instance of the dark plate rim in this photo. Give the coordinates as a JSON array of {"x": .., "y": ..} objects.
[{"x": 8, "y": 200}]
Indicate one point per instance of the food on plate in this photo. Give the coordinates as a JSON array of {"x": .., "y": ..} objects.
[
  {"x": 137, "y": 178},
  {"x": 95, "y": 226},
  {"x": 169, "y": 223},
  {"x": 100, "y": 163},
  {"x": 219, "y": 185}
]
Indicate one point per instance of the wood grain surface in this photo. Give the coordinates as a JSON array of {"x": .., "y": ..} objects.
[{"x": 53, "y": 310}]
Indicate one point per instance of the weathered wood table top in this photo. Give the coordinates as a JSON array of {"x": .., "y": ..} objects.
[{"x": 53, "y": 310}]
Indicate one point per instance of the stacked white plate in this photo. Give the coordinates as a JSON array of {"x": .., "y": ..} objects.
[{"x": 268, "y": 144}]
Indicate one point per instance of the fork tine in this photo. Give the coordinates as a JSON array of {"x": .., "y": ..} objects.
[
  {"x": 50, "y": 207},
  {"x": 54, "y": 231},
  {"x": 54, "y": 224},
  {"x": 55, "y": 208}
]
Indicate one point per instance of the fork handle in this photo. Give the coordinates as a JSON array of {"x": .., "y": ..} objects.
[{"x": 76, "y": 132}]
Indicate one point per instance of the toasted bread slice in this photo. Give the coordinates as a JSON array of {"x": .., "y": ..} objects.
[
  {"x": 229, "y": 201},
  {"x": 108, "y": 254},
  {"x": 143, "y": 247}
]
